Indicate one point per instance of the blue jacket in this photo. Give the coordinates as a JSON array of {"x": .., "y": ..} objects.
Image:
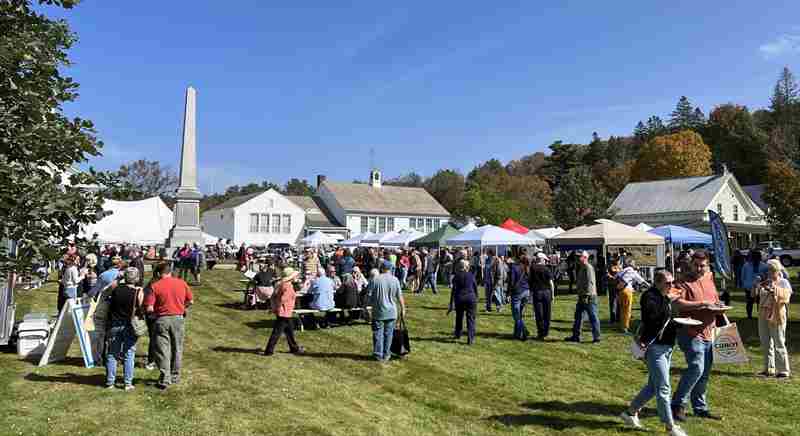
[
  {"x": 322, "y": 291},
  {"x": 749, "y": 274}
]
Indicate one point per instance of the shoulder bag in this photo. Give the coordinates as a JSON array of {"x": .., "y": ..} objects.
[{"x": 139, "y": 325}]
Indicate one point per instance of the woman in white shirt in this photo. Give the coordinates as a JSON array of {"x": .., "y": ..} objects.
[{"x": 71, "y": 277}]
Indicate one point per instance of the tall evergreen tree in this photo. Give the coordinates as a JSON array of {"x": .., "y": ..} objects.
[
  {"x": 683, "y": 117},
  {"x": 784, "y": 120},
  {"x": 655, "y": 127},
  {"x": 698, "y": 119},
  {"x": 640, "y": 132}
]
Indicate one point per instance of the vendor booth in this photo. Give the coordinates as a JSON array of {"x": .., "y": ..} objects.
[
  {"x": 514, "y": 226},
  {"x": 489, "y": 236},
  {"x": 378, "y": 240},
  {"x": 317, "y": 239},
  {"x": 355, "y": 241},
  {"x": 609, "y": 236},
  {"x": 403, "y": 239},
  {"x": 436, "y": 239}
]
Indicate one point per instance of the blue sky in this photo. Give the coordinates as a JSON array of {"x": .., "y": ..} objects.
[{"x": 295, "y": 89}]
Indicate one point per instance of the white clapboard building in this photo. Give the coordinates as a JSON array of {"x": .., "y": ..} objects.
[
  {"x": 686, "y": 202},
  {"x": 262, "y": 218},
  {"x": 376, "y": 208}
]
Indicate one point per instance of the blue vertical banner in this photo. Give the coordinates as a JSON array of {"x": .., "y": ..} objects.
[{"x": 719, "y": 235}]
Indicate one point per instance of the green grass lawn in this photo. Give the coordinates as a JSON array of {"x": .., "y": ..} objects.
[{"x": 497, "y": 386}]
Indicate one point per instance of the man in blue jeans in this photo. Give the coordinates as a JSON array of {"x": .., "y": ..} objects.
[
  {"x": 586, "y": 285},
  {"x": 384, "y": 296},
  {"x": 698, "y": 293}
]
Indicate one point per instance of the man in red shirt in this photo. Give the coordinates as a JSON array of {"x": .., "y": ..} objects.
[
  {"x": 168, "y": 302},
  {"x": 698, "y": 292}
]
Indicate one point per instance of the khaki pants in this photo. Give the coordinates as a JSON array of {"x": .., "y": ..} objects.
[
  {"x": 625, "y": 307},
  {"x": 169, "y": 348},
  {"x": 773, "y": 346}
]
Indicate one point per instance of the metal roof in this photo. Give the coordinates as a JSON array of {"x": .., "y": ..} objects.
[
  {"x": 756, "y": 193},
  {"x": 236, "y": 201},
  {"x": 667, "y": 196},
  {"x": 317, "y": 214},
  {"x": 390, "y": 200}
]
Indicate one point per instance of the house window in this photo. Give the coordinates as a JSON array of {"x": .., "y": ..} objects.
[
  {"x": 253, "y": 223},
  {"x": 264, "y": 223},
  {"x": 719, "y": 210},
  {"x": 271, "y": 203},
  {"x": 364, "y": 225},
  {"x": 428, "y": 225},
  {"x": 222, "y": 216},
  {"x": 382, "y": 224},
  {"x": 390, "y": 224},
  {"x": 412, "y": 223},
  {"x": 736, "y": 212},
  {"x": 436, "y": 224},
  {"x": 373, "y": 224},
  {"x": 276, "y": 223},
  {"x": 287, "y": 224}
]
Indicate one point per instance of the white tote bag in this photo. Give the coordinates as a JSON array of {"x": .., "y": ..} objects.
[{"x": 728, "y": 345}]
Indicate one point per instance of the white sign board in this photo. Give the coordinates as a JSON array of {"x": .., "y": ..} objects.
[{"x": 69, "y": 325}]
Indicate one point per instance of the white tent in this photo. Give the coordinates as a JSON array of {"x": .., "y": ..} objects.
[
  {"x": 355, "y": 240},
  {"x": 469, "y": 227},
  {"x": 209, "y": 239},
  {"x": 605, "y": 232},
  {"x": 545, "y": 233},
  {"x": 143, "y": 222},
  {"x": 404, "y": 238},
  {"x": 487, "y": 236},
  {"x": 644, "y": 227},
  {"x": 378, "y": 239},
  {"x": 316, "y": 239}
]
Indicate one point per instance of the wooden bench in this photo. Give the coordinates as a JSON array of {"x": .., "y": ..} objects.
[{"x": 298, "y": 313}]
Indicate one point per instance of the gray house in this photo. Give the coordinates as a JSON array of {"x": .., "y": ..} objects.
[{"x": 686, "y": 202}]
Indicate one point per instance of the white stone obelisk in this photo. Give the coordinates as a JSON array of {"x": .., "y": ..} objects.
[{"x": 187, "y": 206}]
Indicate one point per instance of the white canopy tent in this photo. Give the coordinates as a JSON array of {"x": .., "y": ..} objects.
[
  {"x": 606, "y": 232},
  {"x": 143, "y": 222},
  {"x": 469, "y": 227},
  {"x": 644, "y": 227},
  {"x": 488, "y": 236},
  {"x": 404, "y": 238},
  {"x": 355, "y": 241},
  {"x": 379, "y": 239},
  {"x": 545, "y": 233},
  {"x": 316, "y": 239}
]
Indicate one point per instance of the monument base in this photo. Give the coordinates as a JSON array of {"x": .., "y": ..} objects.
[{"x": 179, "y": 236}]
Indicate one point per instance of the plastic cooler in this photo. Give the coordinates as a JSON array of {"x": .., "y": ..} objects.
[{"x": 32, "y": 335}]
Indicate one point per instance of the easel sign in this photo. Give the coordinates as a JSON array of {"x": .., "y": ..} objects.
[{"x": 69, "y": 325}]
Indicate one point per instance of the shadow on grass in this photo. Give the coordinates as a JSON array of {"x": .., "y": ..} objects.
[
  {"x": 261, "y": 324},
  {"x": 237, "y": 350},
  {"x": 554, "y": 422},
  {"x": 582, "y": 407},
  {"x": 440, "y": 339},
  {"x": 78, "y": 379},
  {"x": 493, "y": 335},
  {"x": 440, "y": 308},
  {"x": 348, "y": 356},
  {"x": 240, "y": 306}
]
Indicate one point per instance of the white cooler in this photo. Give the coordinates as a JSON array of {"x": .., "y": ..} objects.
[{"x": 32, "y": 335}]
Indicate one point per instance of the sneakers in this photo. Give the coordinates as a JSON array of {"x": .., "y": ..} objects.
[
  {"x": 110, "y": 387},
  {"x": 630, "y": 420},
  {"x": 782, "y": 375},
  {"x": 679, "y": 413},
  {"x": 150, "y": 366},
  {"x": 677, "y": 431},
  {"x": 129, "y": 388},
  {"x": 571, "y": 339}
]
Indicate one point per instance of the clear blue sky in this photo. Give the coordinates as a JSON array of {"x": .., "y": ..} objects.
[{"x": 294, "y": 91}]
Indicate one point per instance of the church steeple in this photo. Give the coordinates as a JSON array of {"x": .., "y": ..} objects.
[{"x": 375, "y": 178}]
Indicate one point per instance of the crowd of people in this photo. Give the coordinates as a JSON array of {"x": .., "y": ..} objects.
[{"x": 324, "y": 280}]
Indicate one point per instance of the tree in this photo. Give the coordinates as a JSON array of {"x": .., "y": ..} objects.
[
  {"x": 529, "y": 165},
  {"x": 146, "y": 179},
  {"x": 562, "y": 159},
  {"x": 580, "y": 199},
  {"x": 410, "y": 180},
  {"x": 596, "y": 151},
  {"x": 782, "y": 195},
  {"x": 448, "y": 188},
  {"x": 784, "y": 119},
  {"x": 43, "y": 201},
  {"x": 682, "y": 154},
  {"x": 737, "y": 143},
  {"x": 298, "y": 187},
  {"x": 488, "y": 206},
  {"x": 645, "y": 132},
  {"x": 685, "y": 117}
]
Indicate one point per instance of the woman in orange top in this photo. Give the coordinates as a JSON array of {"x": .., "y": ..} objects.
[{"x": 282, "y": 306}]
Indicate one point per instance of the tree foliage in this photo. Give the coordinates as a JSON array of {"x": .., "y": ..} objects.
[
  {"x": 448, "y": 188},
  {"x": 42, "y": 199},
  {"x": 146, "y": 179},
  {"x": 782, "y": 195},
  {"x": 410, "y": 180},
  {"x": 737, "y": 142},
  {"x": 682, "y": 154},
  {"x": 580, "y": 199},
  {"x": 685, "y": 117},
  {"x": 299, "y": 187}
]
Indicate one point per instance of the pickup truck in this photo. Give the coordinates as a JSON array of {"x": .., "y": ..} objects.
[{"x": 788, "y": 257}]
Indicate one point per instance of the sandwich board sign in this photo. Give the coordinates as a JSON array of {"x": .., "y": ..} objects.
[{"x": 70, "y": 324}]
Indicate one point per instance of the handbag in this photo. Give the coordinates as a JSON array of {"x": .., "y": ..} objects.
[
  {"x": 401, "y": 344},
  {"x": 637, "y": 350},
  {"x": 139, "y": 325},
  {"x": 728, "y": 345}
]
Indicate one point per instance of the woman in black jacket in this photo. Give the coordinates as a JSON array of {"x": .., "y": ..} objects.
[
  {"x": 464, "y": 300},
  {"x": 657, "y": 335}
]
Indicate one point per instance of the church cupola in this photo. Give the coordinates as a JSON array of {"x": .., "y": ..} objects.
[{"x": 375, "y": 178}]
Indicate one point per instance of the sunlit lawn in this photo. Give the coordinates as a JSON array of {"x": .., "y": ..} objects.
[{"x": 497, "y": 386}]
